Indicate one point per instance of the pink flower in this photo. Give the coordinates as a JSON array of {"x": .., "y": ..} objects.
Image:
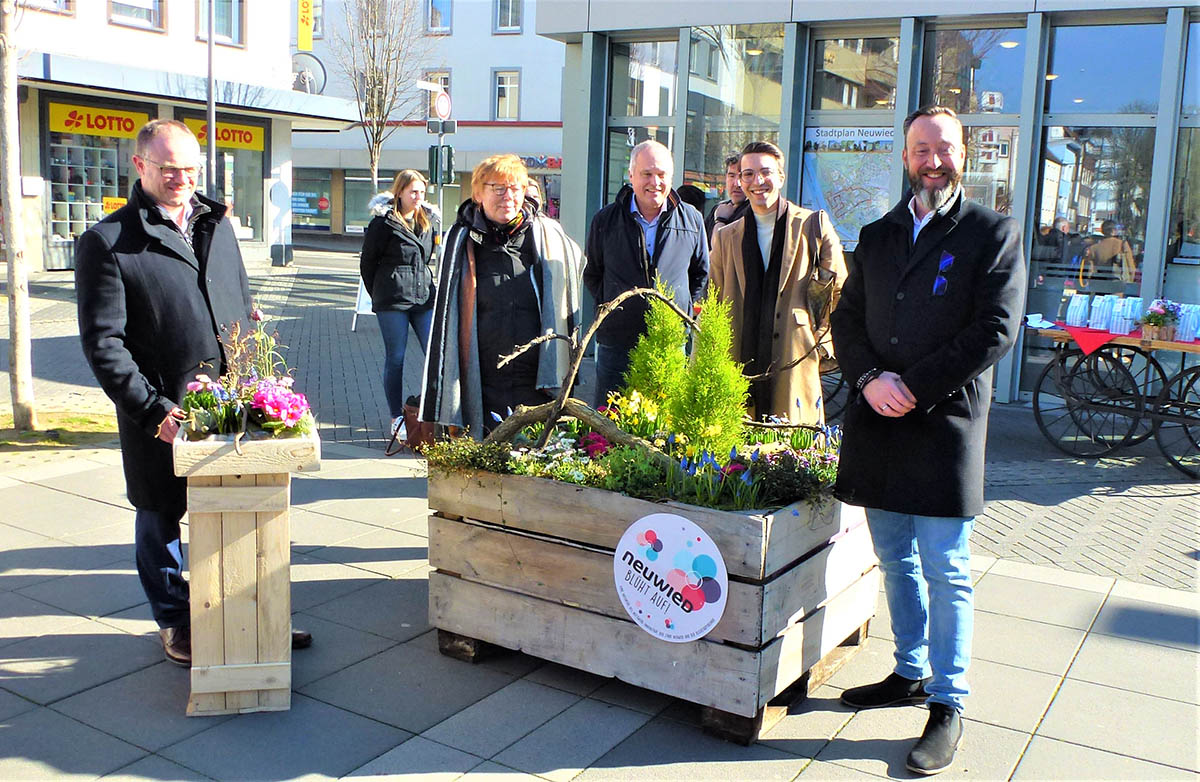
[
  {"x": 257, "y": 315},
  {"x": 732, "y": 468},
  {"x": 195, "y": 385}
]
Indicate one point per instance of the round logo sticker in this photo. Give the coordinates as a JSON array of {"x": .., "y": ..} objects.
[{"x": 670, "y": 577}]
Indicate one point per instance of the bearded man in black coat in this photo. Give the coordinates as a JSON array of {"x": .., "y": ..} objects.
[
  {"x": 158, "y": 283},
  {"x": 933, "y": 300}
]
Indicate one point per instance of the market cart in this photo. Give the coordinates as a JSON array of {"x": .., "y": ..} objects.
[{"x": 1102, "y": 391}]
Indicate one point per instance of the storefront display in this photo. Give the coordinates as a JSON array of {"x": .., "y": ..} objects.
[{"x": 239, "y": 174}]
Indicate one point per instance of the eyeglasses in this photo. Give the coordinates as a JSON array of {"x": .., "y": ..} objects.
[
  {"x": 749, "y": 174},
  {"x": 170, "y": 172},
  {"x": 500, "y": 189},
  {"x": 939, "y": 282}
]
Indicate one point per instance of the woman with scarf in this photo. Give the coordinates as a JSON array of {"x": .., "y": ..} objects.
[
  {"x": 399, "y": 248},
  {"x": 510, "y": 275}
]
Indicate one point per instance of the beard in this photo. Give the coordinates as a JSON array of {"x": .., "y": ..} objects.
[{"x": 934, "y": 198}]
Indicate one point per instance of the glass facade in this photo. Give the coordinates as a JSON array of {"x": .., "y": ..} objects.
[
  {"x": 312, "y": 198},
  {"x": 1090, "y": 70},
  {"x": 359, "y": 193},
  {"x": 643, "y": 79},
  {"x": 973, "y": 71},
  {"x": 855, "y": 73},
  {"x": 735, "y": 89}
]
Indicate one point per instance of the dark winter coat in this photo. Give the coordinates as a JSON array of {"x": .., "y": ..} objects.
[
  {"x": 942, "y": 339},
  {"x": 396, "y": 262},
  {"x": 151, "y": 310},
  {"x": 618, "y": 260}
]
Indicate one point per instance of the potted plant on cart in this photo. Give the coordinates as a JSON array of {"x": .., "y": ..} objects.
[
  {"x": 1159, "y": 320},
  {"x": 244, "y": 433},
  {"x": 534, "y": 532}
]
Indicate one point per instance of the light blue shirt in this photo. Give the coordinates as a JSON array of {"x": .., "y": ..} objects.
[{"x": 649, "y": 227}]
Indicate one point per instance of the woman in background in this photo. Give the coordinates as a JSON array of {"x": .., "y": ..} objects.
[{"x": 400, "y": 247}]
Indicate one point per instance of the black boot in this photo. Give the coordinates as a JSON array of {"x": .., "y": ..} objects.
[
  {"x": 934, "y": 751},
  {"x": 895, "y": 690}
]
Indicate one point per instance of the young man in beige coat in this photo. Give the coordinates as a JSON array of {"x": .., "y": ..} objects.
[{"x": 781, "y": 269}]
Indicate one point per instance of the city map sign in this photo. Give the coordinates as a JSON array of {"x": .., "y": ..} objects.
[{"x": 846, "y": 173}]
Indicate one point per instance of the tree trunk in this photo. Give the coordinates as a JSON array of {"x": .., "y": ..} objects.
[
  {"x": 20, "y": 363},
  {"x": 374, "y": 151}
]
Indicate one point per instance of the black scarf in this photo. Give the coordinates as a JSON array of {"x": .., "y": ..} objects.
[{"x": 758, "y": 309}]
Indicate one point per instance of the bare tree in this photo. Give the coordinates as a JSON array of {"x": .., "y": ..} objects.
[
  {"x": 20, "y": 362},
  {"x": 382, "y": 49}
]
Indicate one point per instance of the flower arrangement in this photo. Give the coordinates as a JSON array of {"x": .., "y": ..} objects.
[
  {"x": 1162, "y": 312},
  {"x": 254, "y": 395}
]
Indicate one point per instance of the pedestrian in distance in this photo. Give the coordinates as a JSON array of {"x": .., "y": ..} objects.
[
  {"x": 399, "y": 250},
  {"x": 933, "y": 301},
  {"x": 159, "y": 283},
  {"x": 780, "y": 267},
  {"x": 646, "y": 233},
  {"x": 735, "y": 202},
  {"x": 509, "y": 275}
]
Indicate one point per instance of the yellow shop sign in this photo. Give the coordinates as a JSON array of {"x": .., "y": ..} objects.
[
  {"x": 110, "y": 204},
  {"x": 228, "y": 135},
  {"x": 113, "y": 123}
]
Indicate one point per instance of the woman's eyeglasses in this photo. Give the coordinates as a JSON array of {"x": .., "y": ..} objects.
[{"x": 500, "y": 189}]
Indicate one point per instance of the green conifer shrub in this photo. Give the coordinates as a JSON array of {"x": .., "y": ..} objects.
[{"x": 657, "y": 363}]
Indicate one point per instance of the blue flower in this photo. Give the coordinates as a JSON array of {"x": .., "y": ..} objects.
[
  {"x": 754, "y": 456},
  {"x": 509, "y": 412},
  {"x": 795, "y": 512},
  {"x": 733, "y": 453},
  {"x": 746, "y": 479},
  {"x": 671, "y": 439},
  {"x": 683, "y": 463},
  {"x": 496, "y": 417}
]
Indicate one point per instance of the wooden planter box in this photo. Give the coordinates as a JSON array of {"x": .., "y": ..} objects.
[
  {"x": 526, "y": 563},
  {"x": 239, "y": 551}
]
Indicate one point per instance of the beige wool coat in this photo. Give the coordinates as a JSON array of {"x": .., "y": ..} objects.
[{"x": 796, "y": 391}]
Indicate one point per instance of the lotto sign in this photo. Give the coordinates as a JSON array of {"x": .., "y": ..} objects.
[
  {"x": 228, "y": 135},
  {"x": 65, "y": 118},
  {"x": 304, "y": 25},
  {"x": 670, "y": 577}
]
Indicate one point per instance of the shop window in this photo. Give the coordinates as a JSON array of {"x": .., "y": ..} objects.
[
  {"x": 621, "y": 142},
  {"x": 1181, "y": 279},
  {"x": 442, "y": 79},
  {"x": 359, "y": 192},
  {"x": 147, "y": 14},
  {"x": 855, "y": 73},
  {"x": 312, "y": 193},
  {"x": 1098, "y": 69},
  {"x": 506, "y": 103},
  {"x": 239, "y": 173},
  {"x": 643, "y": 79},
  {"x": 1191, "y": 78},
  {"x": 438, "y": 13},
  {"x": 847, "y": 172},
  {"x": 506, "y": 16},
  {"x": 991, "y": 169},
  {"x": 734, "y": 97},
  {"x": 974, "y": 71},
  {"x": 230, "y": 21}
]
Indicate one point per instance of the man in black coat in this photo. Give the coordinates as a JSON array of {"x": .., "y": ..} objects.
[
  {"x": 158, "y": 283},
  {"x": 646, "y": 232},
  {"x": 735, "y": 204},
  {"x": 933, "y": 301}
]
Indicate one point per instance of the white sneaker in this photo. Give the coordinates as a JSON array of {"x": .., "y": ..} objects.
[{"x": 398, "y": 429}]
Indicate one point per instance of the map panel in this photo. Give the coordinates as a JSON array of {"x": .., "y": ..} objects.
[{"x": 846, "y": 173}]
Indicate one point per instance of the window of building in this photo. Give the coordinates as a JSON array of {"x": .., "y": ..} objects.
[
  {"x": 643, "y": 79},
  {"x": 1090, "y": 70},
  {"x": 318, "y": 12},
  {"x": 507, "y": 16},
  {"x": 50, "y": 6},
  {"x": 1191, "y": 73},
  {"x": 507, "y": 104},
  {"x": 855, "y": 73},
  {"x": 230, "y": 21},
  {"x": 974, "y": 71},
  {"x": 734, "y": 97},
  {"x": 442, "y": 79},
  {"x": 359, "y": 192},
  {"x": 990, "y": 171},
  {"x": 239, "y": 175},
  {"x": 438, "y": 13},
  {"x": 137, "y": 13},
  {"x": 312, "y": 194},
  {"x": 1182, "y": 274},
  {"x": 621, "y": 142}
]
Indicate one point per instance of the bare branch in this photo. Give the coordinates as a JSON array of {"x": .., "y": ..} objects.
[{"x": 530, "y": 345}]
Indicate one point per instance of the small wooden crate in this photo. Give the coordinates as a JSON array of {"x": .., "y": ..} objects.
[
  {"x": 240, "y": 558},
  {"x": 526, "y": 563}
]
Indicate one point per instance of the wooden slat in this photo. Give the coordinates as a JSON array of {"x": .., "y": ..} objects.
[
  {"x": 791, "y": 536},
  {"x": 207, "y": 609},
  {"x": 219, "y": 499},
  {"x": 241, "y": 678},
  {"x": 240, "y": 572},
  {"x": 216, "y": 455},
  {"x": 475, "y": 495},
  {"x": 710, "y": 674},
  {"x": 274, "y": 589},
  {"x": 800, "y": 648}
]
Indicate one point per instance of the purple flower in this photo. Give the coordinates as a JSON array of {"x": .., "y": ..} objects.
[{"x": 257, "y": 315}]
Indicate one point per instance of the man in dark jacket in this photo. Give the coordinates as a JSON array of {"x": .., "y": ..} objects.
[
  {"x": 933, "y": 301},
  {"x": 646, "y": 232},
  {"x": 159, "y": 282},
  {"x": 735, "y": 203}
]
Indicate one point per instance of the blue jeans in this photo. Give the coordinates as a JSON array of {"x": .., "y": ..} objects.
[
  {"x": 393, "y": 325},
  {"x": 160, "y": 565},
  {"x": 611, "y": 365},
  {"x": 926, "y": 566}
]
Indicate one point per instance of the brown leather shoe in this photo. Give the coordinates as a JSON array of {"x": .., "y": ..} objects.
[
  {"x": 177, "y": 644},
  {"x": 301, "y": 639}
]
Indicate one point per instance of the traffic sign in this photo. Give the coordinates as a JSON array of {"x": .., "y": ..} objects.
[{"x": 441, "y": 105}]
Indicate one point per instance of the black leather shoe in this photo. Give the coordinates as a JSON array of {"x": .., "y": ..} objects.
[
  {"x": 895, "y": 690},
  {"x": 301, "y": 639},
  {"x": 935, "y": 749},
  {"x": 177, "y": 644}
]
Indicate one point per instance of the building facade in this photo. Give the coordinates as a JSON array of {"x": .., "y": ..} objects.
[
  {"x": 92, "y": 73},
  {"x": 505, "y": 85},
  {"x": 1076, "y": 114}
]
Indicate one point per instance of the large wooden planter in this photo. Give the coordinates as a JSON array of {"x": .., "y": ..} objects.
[
  {"x": 526, "y": 563},
  {"x": 239, "y": 553}
]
